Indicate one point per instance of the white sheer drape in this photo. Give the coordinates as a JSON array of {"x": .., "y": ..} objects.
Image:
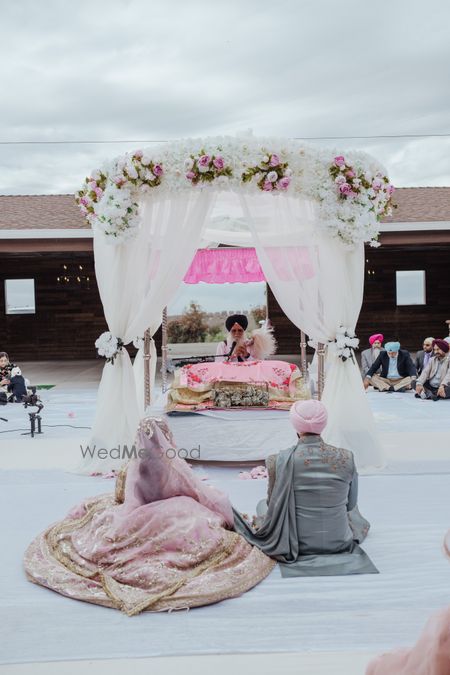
[
  {"x": 136, "y": 281},
  {"x": 319, "y": 285}
]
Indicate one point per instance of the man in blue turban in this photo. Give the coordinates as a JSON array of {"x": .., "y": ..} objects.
[{"x": 398, "y": 372}]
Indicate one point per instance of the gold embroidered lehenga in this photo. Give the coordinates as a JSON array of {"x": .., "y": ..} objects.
[{"x": 161, "y": 542}]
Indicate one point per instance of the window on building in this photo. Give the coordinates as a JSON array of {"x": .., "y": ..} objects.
[
  {"x": 411, "y": 287},
  {"x": 19, "y": 296}
]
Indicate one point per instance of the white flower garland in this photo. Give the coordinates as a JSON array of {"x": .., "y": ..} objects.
[
  {"x": 108, "y": 346},
  {"x": 110, "y": 196}
]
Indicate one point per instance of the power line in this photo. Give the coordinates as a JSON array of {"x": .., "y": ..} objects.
[
  {"x": 73, "y": 142},
  {"x": 328, "y": 138},
  {"x": 295, "y": 138}
]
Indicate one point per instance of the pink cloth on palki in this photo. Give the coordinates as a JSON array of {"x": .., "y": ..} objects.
[
  {"x": 162, "y": 542},
  {"x": 275, "y": 373}
]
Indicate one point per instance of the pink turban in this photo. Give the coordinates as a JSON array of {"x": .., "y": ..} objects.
[
  {"x": 308, "y": 417},
  {"x": 374, "y": 338}
]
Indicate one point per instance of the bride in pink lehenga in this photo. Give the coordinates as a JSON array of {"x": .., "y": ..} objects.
[
  {"x": 163, "y": 541},
  {"x": 431, "y": 653}
]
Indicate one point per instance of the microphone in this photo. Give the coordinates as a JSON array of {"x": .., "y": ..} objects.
[{"x": 231, "y": 350}]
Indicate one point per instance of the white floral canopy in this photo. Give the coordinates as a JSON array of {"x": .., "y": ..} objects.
[{"x": 307, "y": 213}]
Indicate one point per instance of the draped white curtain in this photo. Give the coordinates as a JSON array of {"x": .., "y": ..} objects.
[
  {"x": 136, "y": 281},
  {"x": 319, "y": 285}
]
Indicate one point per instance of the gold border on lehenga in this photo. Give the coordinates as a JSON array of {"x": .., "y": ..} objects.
[
  {"x": 202, "y": 567},
  {"x": 68, "y": 526}
]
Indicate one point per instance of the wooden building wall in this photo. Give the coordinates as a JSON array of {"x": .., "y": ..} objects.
[
  {"x": 409, "y": 324},
  {"x": 379, "y": 313},
  {"x": 69, "y": 316}
]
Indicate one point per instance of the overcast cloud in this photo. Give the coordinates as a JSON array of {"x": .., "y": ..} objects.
[{"x": 136, "y": 69}]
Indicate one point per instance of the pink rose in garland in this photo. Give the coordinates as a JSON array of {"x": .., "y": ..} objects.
[
  {"x": 345, "y": 189},
  {"x": 203, "y": 163},
  {"x": 273, "y": 174},
  {"x": 219, "y": 163},
  {"x": 206, "y": 168},
  {"x": 284, "y": 183},
  {"x": 274, "y": 160}
]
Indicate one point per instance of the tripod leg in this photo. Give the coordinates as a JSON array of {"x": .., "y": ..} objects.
[{"x": 39, "y": 424}]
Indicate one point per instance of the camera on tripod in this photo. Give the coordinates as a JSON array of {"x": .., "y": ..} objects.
[
  {"x": 35, "y": 418},
  {"x": 31, "y": 399}
]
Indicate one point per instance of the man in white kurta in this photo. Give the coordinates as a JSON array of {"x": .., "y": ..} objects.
[{"x": 243, "y": 349}]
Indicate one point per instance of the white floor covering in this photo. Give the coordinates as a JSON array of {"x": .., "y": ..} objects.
[
  {"x": 330, "y": 663},
  {"x": 409, "y": 516},
  {"x": 415, "y": 434},
  {"x": 322, "y": 625}
]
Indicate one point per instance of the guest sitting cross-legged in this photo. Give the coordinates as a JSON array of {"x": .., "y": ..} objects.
[
  {"x": 424, "y": 355},
  {"x": 434, "y": 381},
  {"x": 398, "y": 371},
  {"x": 369, "y": 356},
  {"x": 310, "y": 522}
]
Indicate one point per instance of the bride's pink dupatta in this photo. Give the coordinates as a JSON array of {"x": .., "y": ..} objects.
[{"x": 161, "y": 474}]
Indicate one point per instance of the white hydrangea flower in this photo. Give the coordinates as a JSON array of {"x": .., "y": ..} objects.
[
  {"x": 146, "y": 159},
  {"x": 107, "y": 345}
]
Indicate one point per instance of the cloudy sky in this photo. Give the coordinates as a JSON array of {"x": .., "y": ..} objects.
[{"x": 137, "y": 70}]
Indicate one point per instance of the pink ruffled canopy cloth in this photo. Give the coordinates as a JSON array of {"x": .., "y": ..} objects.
[
  {"x": 241, "y": 265},
  {"x": 224, "y": 265}
]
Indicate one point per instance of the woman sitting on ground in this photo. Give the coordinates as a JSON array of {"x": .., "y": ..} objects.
[
  {"x": 310, "y": 521},
  {"x": 163, "y": 541},
  {"x": 12, "y": 384}
]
